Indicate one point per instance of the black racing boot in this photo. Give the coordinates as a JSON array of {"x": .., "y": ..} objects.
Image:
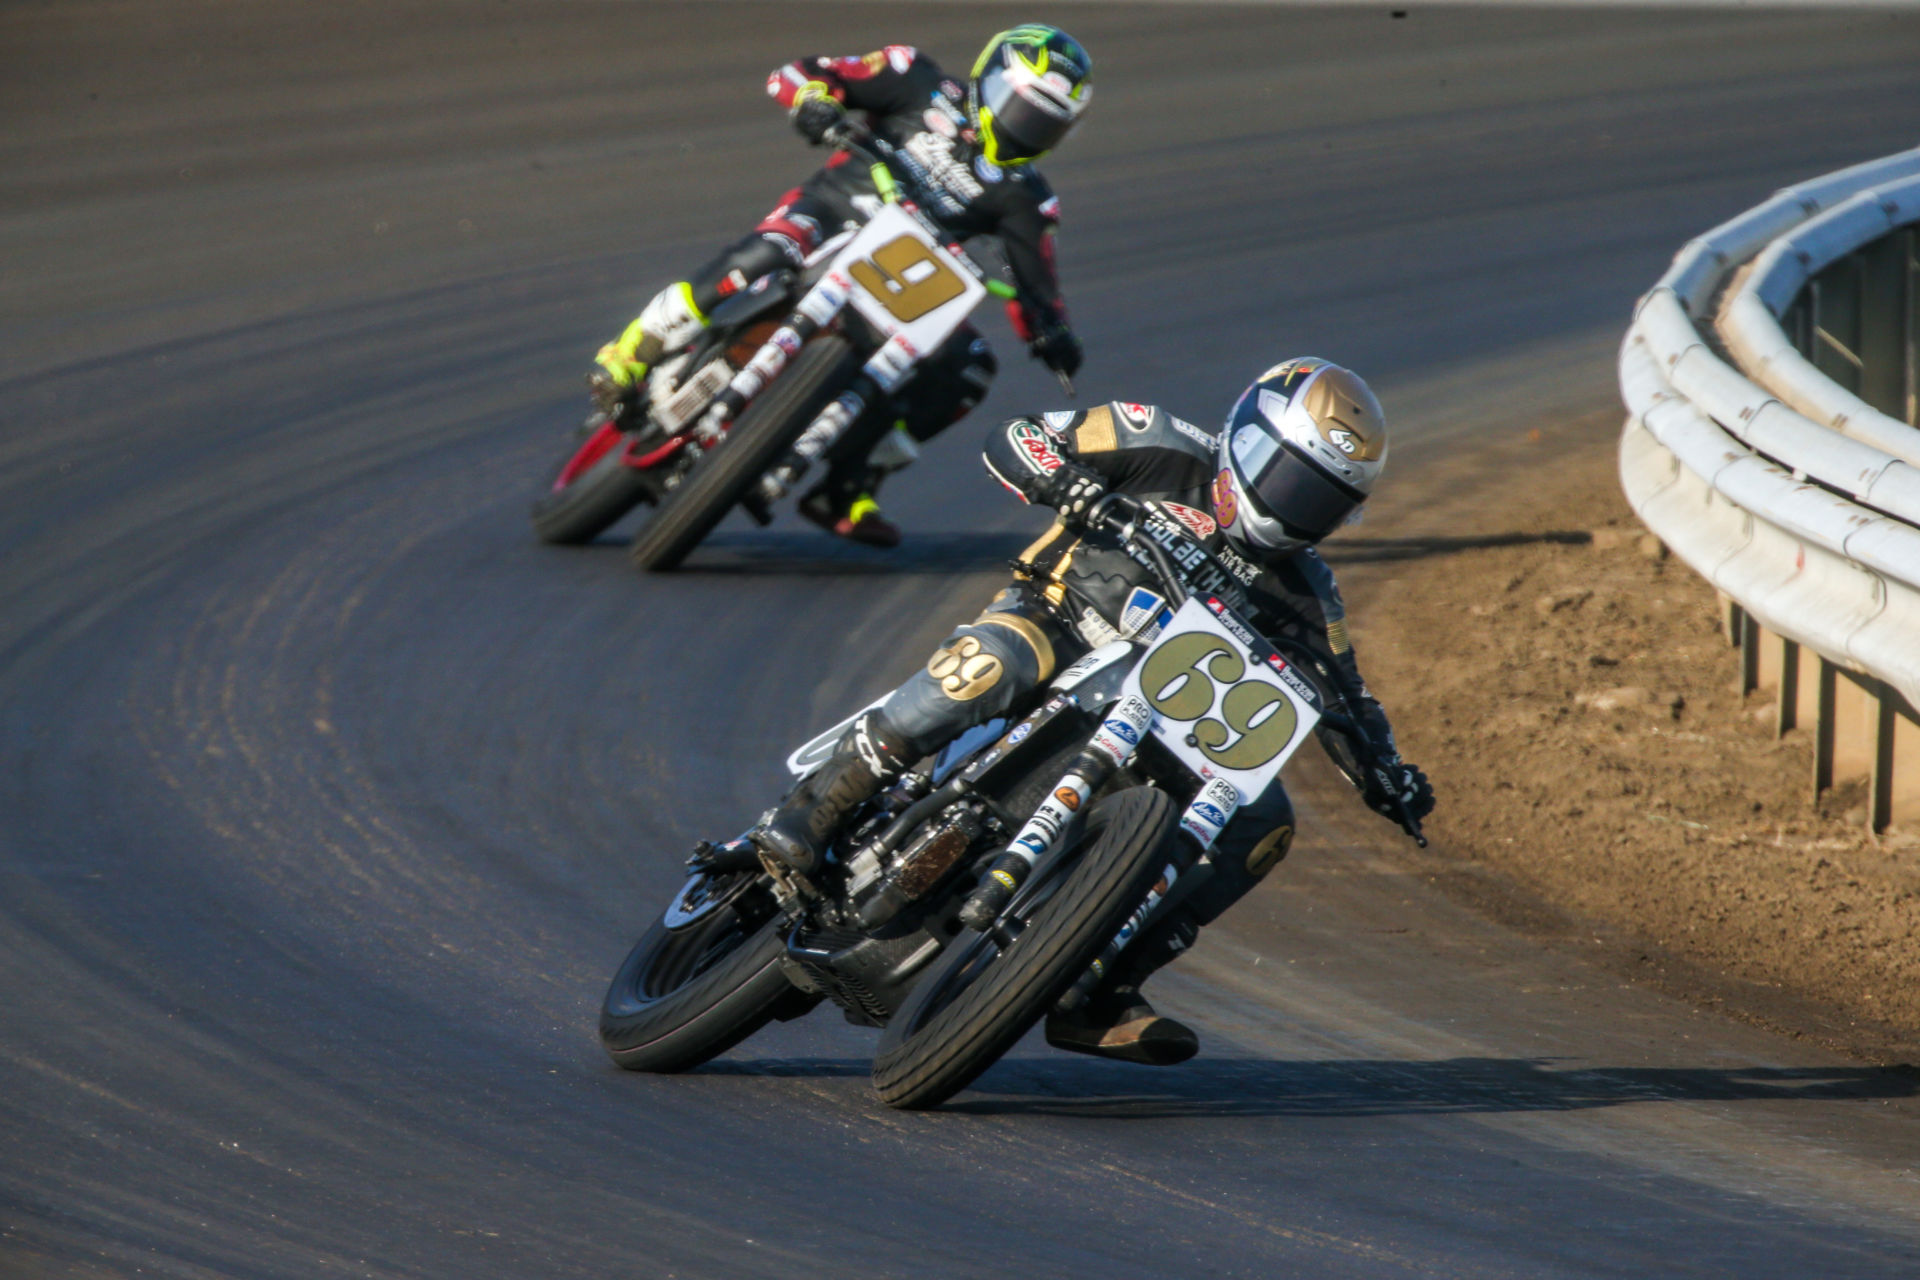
[
  {"x": 1118, "y": 1023},
  {"x": 866, "y": 760}
]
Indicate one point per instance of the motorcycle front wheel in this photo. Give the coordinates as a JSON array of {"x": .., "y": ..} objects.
[
  {"x": 693, "y": 988},
  {"x": 980, "y": 997},
  {"x": 593, "y": 488},
  {"x": 757, "y": 440}
]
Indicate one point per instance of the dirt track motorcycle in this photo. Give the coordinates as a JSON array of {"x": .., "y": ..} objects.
[
  {"x": 738, "y": 418},
  {"x": 1006, "y": 878}
]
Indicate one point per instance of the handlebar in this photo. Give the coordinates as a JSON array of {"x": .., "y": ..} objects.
[
  {"x": 848, "y": 135},
  {"x": 1120, "y": 514},
  {"x": 855, "y": 137}
]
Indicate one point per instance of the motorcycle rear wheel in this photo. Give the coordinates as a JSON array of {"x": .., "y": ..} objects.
[
  {"x": 978, "y": 1000},
  {"x": 593, "y": 500},
  {"x": 762, "y": 434},
  {"x": 684, "y": 995}
]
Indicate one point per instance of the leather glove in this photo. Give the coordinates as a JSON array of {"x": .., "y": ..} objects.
[
  {"x": 1072, "y": 492},
  {"x": 816, "y": 112},
  {"x": 611, "y": 400},
  {"x": 1057, "y": 348},
  {"x": 1399, "y": 779}
]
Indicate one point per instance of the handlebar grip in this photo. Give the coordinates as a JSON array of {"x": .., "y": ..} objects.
[
  {"x": 1409, "y": 823},
  {"x": 1102, "y": 515}
]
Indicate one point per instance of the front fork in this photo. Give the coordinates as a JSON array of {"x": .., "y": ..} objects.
[
  {"x": 816, "y": 310},
  {"x": 881, "y": 376},
  {"x": 1111, "y": 748},
  {"x": 1200, "y": 826}
]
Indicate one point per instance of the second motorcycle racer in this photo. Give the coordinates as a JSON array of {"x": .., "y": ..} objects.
[{"x": 974, "y": 145}]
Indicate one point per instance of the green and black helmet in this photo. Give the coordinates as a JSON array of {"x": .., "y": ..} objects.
[{"x": 1029, "y": 86}]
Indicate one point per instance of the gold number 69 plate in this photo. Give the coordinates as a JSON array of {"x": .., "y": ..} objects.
[{"x": 1216, "y": 706}]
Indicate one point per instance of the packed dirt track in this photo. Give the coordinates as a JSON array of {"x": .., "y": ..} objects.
[{"x": 329, "y": 800}]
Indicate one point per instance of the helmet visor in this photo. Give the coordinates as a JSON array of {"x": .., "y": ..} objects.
[
  {"x": 1025, "y": 120},
  {"x": 1308, "y": 501}
]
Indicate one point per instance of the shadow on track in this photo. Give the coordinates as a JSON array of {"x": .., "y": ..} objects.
[
  {"x": 1385, "y": 550},
  {"x": 1229, "y": 1087},
  {"x": 799, "y": 554},
  {"x": 821, "y": 555}
]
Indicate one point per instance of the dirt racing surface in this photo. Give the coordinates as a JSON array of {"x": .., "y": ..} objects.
[
  {"x": 329, "y": 799},
  {"x": 1569, "y": 688}
]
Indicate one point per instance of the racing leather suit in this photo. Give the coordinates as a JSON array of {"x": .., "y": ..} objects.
[
  {"x": 1071, "y": 594},
  {"x": 908, "y": 100}
]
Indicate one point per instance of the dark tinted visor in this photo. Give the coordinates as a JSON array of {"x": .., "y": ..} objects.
[
  {"x": 1301, "y": 496},
  {"x": 1022, "y": 126}
]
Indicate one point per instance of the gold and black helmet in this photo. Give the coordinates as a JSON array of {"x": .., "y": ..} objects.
[{"x": 1301, "y": 451}]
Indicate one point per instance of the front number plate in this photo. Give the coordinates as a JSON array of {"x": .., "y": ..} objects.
[
  {"x": 1224, "y": 711},
  {"x": 904, "y": 283}
]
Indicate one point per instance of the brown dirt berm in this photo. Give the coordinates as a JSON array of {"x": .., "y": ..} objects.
[{"x": 1568, "y": 686}]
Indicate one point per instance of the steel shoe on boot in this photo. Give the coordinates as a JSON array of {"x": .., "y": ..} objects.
[
  {"x": 861, "y": 522},
  {"x": 866, "y": 761},
  {"x": 1121, "y": 1025}
]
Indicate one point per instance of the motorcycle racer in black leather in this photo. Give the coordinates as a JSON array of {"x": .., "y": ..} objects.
[
  {"x": 974, "y": 143},
  {"x": 1296, "y": 458}
]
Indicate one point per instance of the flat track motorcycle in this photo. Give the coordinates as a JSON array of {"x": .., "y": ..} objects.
[
  {"x": 1003, "y": 877},
  {"x": 784, "y": 368}
]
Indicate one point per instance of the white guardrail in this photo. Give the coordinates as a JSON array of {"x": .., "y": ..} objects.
[{"x": 1795, "y": 498}]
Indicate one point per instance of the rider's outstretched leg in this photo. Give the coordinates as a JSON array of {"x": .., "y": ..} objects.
[
  {"x": 1116, "y": 1021},
  {"x": 843, "y": 502}
]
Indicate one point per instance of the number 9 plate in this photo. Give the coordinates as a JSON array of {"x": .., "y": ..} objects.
[
  {"x": 904, "y": 283},
  {"x": 1224, "y": 710}
]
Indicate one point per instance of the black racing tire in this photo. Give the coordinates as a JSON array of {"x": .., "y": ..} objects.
[
  {"x": 593, "y": 503},
  {"x": 681, "y": 997},
  {"x": 762, "y": 434},
  {"x": 978, "y": 1000}
]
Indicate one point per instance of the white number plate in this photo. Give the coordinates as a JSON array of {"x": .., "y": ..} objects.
[
  {"x": 1223, "y": 711},
  {"x": 904, "y": 282}
]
